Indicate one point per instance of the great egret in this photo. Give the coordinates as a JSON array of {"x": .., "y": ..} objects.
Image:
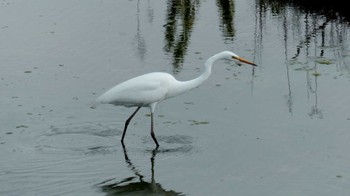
[{"x": 149, "y": 89}]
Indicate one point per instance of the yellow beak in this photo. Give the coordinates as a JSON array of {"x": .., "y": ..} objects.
[{"x": 243, "y": 60}]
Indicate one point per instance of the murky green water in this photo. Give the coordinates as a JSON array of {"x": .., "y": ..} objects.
[{"x": 279, "y": 129}]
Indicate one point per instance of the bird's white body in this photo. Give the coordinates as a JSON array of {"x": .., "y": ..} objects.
[
  {"x": 149, "y": 89},
  {"x": 143, "y": 90}
]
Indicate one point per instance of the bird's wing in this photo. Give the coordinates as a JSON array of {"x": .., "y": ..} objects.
[{"x": 134, "y": 93}]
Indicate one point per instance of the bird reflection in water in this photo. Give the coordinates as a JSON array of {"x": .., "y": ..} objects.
[{"x": 136, "y": 185}]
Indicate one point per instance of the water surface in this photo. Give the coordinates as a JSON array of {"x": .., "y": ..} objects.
[{"x": 279, "y": 129}]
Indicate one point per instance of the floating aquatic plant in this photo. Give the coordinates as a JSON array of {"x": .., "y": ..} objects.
[
  {"x": 324, "y": 61},
  {"x": 196, "y": 122}
]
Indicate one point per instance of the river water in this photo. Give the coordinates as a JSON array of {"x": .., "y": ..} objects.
[{"x": 281, "y": 128}]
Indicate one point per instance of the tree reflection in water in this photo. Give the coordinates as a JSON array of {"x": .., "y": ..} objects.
[
  {"x": 322, "y": 35},
  {"x": 180, "y": 21}
]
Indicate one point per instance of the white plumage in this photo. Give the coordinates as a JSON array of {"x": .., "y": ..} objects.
[{"x": 149, "y": 89}]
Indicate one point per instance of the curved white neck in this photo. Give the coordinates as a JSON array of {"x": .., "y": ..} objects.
[{"x": 184, "y": 86}]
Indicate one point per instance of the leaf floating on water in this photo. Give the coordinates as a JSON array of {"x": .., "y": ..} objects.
[
  {"x": 295, "y": 62},
  {"x": 196, "y": 122},
  {"x": 324, "y": 61},
  {"x": 316, "y": 74},
  {"x": 304, "y": 68},
  {"x": 169, "y": 122},
  {"x": 21, "y": 126}
]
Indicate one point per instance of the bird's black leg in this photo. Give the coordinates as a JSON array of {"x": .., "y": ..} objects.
[
  {"x": 127, "y": 123},
  {"x": 152, "y": 132}
]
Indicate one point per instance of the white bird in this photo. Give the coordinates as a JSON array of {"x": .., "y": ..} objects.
[{"x": 149, "y": 89}]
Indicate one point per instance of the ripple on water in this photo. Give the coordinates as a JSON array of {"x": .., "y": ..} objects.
[
  {"x": 88, "y": 138},
  {"x": 173, "y": 143},
  {"x": 78, "y": 138}
]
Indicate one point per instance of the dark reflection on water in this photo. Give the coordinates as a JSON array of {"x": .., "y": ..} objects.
[
  {"x": 226, "y": 10},
  {"x": 136, "y": 185},
  {"x": 322, "y": 36},
  {"x": 309, "y": 26},
  {"x": 316, "y": 30},
  {"x": 140, "y": 41},
  {"x": 180, "y": 21},
  {"x": 331, "y": 9}
]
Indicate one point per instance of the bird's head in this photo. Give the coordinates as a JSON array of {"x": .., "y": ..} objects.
[{"x": 232, "y": 56}]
